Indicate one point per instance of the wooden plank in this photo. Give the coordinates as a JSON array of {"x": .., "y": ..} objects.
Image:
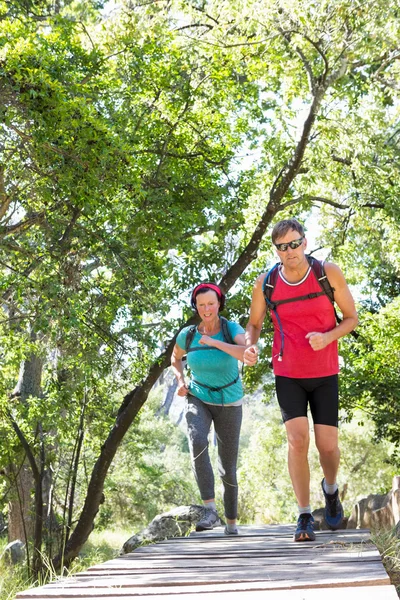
[
  {"x": 266, "y": 531},
  {"x": 216, "y": 547},
  {"x": 280, "y": 531},
  {"x": 308, "y": 551},
  {"x": 121, "y": 566},
  {"x": 248, "y": 541},
  {"x": 283, "y": 575},
  {"x": 347, "y": 592}
]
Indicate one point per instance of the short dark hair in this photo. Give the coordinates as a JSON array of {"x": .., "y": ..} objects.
[
  {"x": 283, "y": 227},
  {"x": 202, "y": 288}
]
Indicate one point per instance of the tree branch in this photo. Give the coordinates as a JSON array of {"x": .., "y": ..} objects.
[
  {"x": 310, "y": 75},
  {"x": 25, "y": 445},
  {"x": 5, "y": 200},
  {"x": 343, "y": 161},
  {"x": 313, "y": 199}
]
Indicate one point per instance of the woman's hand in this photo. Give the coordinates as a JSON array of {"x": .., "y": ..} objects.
[
  {"x": 206, "y": 340},
  {"x": 182, "y": 389}
]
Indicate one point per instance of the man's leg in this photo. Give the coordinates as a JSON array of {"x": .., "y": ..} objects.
[
  {"x": 298, "y": 436},
  {"x": 327, "y": 442},
  {"x": 293, "y": 400},
  {"x": 325, "y": 408}
]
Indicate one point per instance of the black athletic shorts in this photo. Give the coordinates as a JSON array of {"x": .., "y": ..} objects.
[{"x": 322, "y": 393}]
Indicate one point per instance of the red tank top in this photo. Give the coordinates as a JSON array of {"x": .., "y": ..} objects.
[{"x": 298, "y": 318}]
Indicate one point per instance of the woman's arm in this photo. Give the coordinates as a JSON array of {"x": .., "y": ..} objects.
[
  {"x": 177, "y": 367},
  {"x": 236, "y": 350}
]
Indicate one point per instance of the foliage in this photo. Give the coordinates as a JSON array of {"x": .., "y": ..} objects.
[
  {"x": 104, "y": 545},
  {"x": 148, "y": 149},
  {"x": 371, "y": 378},
  {"x": 388, "y": 544}
]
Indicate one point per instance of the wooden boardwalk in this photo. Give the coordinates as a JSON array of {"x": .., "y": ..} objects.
[{"x": 260, "y": 563}]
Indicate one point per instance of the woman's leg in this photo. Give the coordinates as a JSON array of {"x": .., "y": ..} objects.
[
  {"x": 198, "y": 418},
  {"x": 227, "y": 423}
]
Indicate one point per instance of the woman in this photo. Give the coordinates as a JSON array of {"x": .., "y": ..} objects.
[{"x": 214, "y": 394}]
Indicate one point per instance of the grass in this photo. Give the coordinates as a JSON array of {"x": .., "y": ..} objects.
[
  {"x": 13, "y": 579},
  {"x": 388, "y": 545},
  {"x": 101, "y": 546}
]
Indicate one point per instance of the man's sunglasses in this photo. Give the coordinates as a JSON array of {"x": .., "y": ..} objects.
[{"x": 293, "y": 244}]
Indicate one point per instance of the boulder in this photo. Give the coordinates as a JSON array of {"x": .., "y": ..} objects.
[
  {"x": 377, "y": 511},
  {"x": 3, "y": 524},
  {"x": 175, "y": 523},
  {"x": 14, "y": 552}
]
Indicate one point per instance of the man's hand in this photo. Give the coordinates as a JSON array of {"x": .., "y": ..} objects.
[
  {"x": 318, "y": 341},
  {"x": 250, "y": 356}
]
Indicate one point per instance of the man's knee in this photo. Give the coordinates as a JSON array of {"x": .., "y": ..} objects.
[
  {"x": 298, "y": 442},
  {"x": 328, "y": 449},
  {"x": 326, "y": 440}
]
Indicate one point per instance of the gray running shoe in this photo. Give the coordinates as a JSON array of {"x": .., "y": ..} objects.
[
  {"x": 235, "y": 532},
  {"x": 208, "y": 521}
]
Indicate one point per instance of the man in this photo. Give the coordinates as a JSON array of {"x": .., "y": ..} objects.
[{"x": 306, "y": 365}]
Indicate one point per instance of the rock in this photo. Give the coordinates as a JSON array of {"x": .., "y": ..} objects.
[
  {"x": 321, "y": 524},
  {"x": 175, "y": 523},
  {"x": 14, "y": 552},
  {"x": 376, "y": 511},
  {"x": 397, "y": 529},
  {"x": 3, "y": 524}
]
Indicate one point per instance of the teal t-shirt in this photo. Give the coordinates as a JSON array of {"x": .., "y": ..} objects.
[{"x": 212, "y": 367}]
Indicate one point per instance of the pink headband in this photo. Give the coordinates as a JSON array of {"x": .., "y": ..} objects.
[{"x": 211, "y": 286}]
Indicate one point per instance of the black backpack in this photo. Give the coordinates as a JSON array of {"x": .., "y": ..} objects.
[
  {"x": 269, "y": 286},
  {"x": 226, "y": 334},
  {"x": 319, "y": 272}
]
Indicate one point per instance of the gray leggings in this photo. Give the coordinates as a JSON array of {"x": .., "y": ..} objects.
[{"x": 227, "y": 423}]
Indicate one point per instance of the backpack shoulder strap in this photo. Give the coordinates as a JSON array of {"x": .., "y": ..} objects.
[
  {"x": 226, "y": 334},
  {"x": 189, "y": 337},
  {"x": 319, "y": 272},
  {"x": 269, "y": 284},
  {"x": 318, "y": 269}
]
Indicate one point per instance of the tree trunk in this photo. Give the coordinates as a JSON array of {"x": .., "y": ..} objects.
[
  {"x": 169, "y": 397},
  {"x": 25, "y": 516},
  {"x": 20, "y": 521}
]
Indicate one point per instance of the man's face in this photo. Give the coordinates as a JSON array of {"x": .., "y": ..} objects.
[{"x": 291, "y": 257}]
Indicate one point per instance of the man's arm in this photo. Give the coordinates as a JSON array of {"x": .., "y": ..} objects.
[
  {"x": 258, "y": 310},
  {"x": 345, "y": 302}
]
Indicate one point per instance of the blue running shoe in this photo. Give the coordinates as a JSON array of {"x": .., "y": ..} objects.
[
  {"x": 305, "y": 528},
  {"x": 333, "y": 509}
]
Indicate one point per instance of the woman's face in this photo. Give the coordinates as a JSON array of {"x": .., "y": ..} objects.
[{"x": 207, "y": 305}]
